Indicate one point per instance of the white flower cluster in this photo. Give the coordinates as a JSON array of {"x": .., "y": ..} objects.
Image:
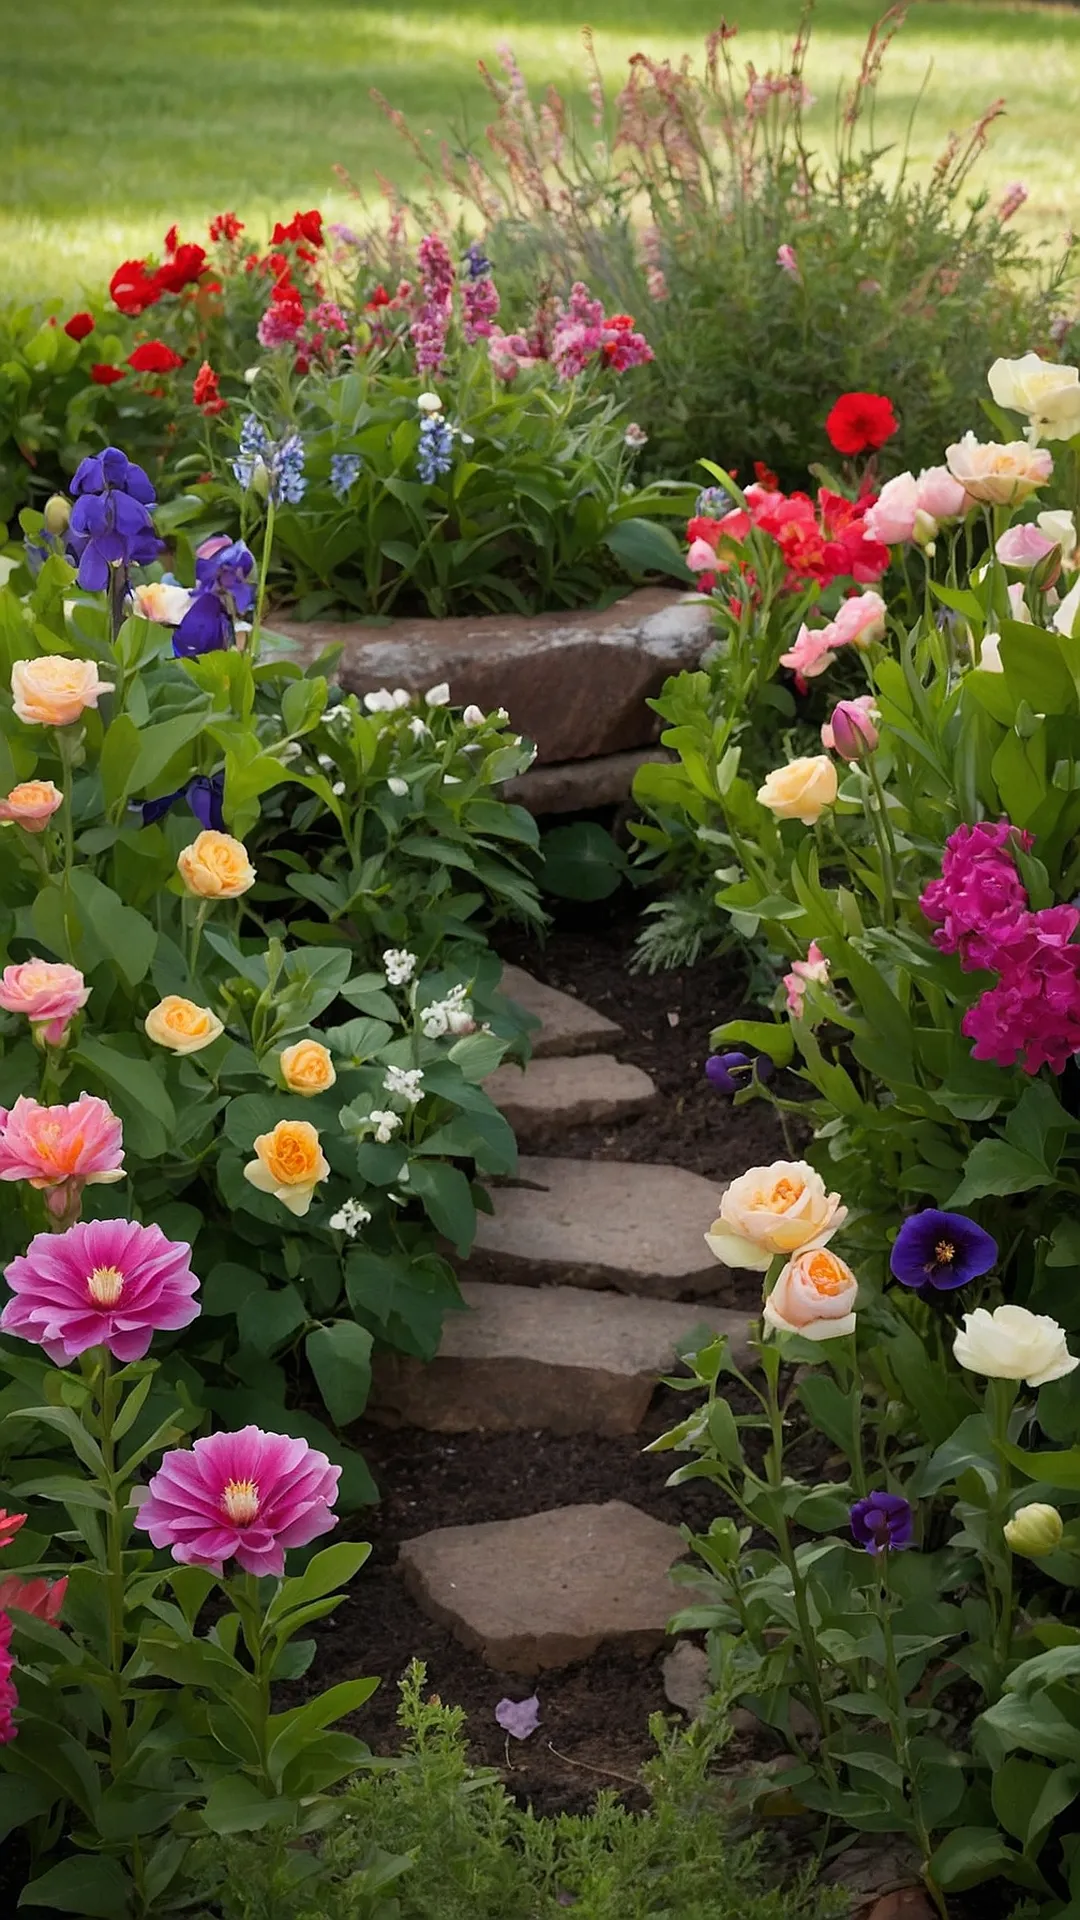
[
  {"x": 383, "y": 701},
  {"x": 385, "y": 1124},
  {"x": 405, "y": 1082},
  {"x": 452, "y": 1015},
  {"x": 350, "y": 1217},
  {"x": 400, "y": 966}
]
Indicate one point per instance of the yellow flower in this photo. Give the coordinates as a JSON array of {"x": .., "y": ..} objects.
[
  {"x": 801, "y": 790},
  {"x": 1034, "y": 1530},
  {"x": 216, "y": 867},
  {"x": 289, "y": 1164},
  {"x": 781, "y": 1209},
  {"x": 307, "y": 1067},
  {"x": 182, "y": 1026},
  {"x": 55, "y": 690}
]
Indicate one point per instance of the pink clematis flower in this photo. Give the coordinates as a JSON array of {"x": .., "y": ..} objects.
[
  {"x": 103, "y": 1283},
  {"x": 812, "y": 652},
  {"x": 48, "y": 992},
  {"x": 244, "y": 1496},
  {"x": 41, "y": 1598},
  {"x": 61, "y": 1150},
  {"x": 814, "y": 968}
]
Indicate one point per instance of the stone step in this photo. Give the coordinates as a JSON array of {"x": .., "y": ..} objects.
[
  {"x": 551, "y": 1588},
  {"x": 567, "y": 1026},
  {"x": 600, "y": 1223},
  {"x": 551, "y": 1095},
  {"x": 557, "y": 1358}
]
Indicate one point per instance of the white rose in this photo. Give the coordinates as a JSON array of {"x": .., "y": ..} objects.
[
  {"x": 429, "y": 403},
  {"x": 1013, "y": 1344},
  {"x": 801, "y": 790},
  {"x": 1060, "y": 527},
  {"x": 161, "y": 602},
  {"x": 438, "y": 696},
  {"x": 1047, "y": 393},
  {"x": 782, "y": 1209}
]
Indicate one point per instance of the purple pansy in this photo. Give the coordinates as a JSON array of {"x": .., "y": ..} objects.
[
  {"x": 883, "y": 1522},
  {"x": 941, "y": 1250},
  {"x": 110, "y": 522},
  {"x": 205, "y": 796},
  {"x": 731, "y": 1071}
]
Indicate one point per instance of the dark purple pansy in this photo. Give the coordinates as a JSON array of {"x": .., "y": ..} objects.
[
  {"x": 942, "y": 1250},
  {"x": 882, "y": 1522},
  {"x": 204, "y": 795},
  {"x": 730, "y": 1071}
]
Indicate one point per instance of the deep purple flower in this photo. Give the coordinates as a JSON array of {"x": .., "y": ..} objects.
[
  {"x": 224, "y": 591},
  {"x": 205, "y": 796},
  {"x": 731, "y": 1071},
  {"x": 942, "y": 1250},
  {"x": 110, "y": 521},
  {"x": 882, "y": 1521}
]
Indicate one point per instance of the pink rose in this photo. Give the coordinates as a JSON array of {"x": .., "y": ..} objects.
[
  {"x": 814, "y": 1296},
  {"x": 891, "y": 519},
  {"x": 48, "y": 992},
  {"x": 60, "y": 1150},
  {"x": 811, "y": 653},
  {"x": 939, "y": 495},
  {"x": 860, "y": 621},
  {"x": 1022, "y": 546}
]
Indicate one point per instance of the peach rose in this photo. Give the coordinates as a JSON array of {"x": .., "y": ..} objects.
[
  {"x": 181, "y": 1026},
  {"x": 782, "y": 1209},
  {"x": 216, "y": 867},
  {"x": 999, "y": 475},
  {"x": 801, "y": 790},
  {"x": 31, "y": 804},
  {"x": 307, "y": 1067},
  {"x": 48, "y": 992},
  {"x": 289, "y": 1164},
  {"x": 814, "y": 1296},
  {"x": 55, "y": 691}
]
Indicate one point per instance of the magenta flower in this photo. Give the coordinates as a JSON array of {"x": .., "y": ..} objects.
[
  {"x": 103, "y": 1283},
  {"x": 1034, "y": 1010},
  {"x": 9, "y": 1699},
  {"x": 61, "y": 1149},
  {"x": 244, "y": 1496},
  {"x": 980, "y": 894}
]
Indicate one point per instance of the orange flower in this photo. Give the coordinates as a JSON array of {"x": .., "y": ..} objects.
[
  {"x": 307, "y": 1067},
  {"x": 31, "y": 804},
  {"x": 289, "y": 1164},
  {"x": 182, "y": 1026},
  {"x": 216, "y": 867}
]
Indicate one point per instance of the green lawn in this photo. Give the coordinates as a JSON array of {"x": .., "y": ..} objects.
[{"x": 120, "y": 116}]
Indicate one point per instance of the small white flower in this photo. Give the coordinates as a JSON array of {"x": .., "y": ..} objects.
[
  {"x": 383, "y": 701},
  {"x": 338, "y": 788},
  {"x": 502, "y": 716},
  {"x": 429, "y": 403},
  {"x": 467, "y": 439},
  {"x": 384, "y": 1123},
  {"x": 325, "y": 761},
  {"x": 438, "y": 696},
  {"x": 251, "y": 374},
  {"x": 635, "y": 436},
  {"x": 474, "y": 716},
  {"x": 451, "y": 780},
  {"x": 340, "y": 712},
  {"x": 290, "y": 751},
  {"x": 350, "y": 1217},
  {"x": 400, "y": 965},
  {"x": 398, "y": 787},
  {"x": 452, "y": 1015},
  {"x": 405, "y": 1082},
  {"x": 419, "y": 728}
]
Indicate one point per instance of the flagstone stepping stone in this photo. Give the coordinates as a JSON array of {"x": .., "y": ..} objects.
[
  {"x": 557, "y": 1358},
  {"x": 600, "y": 1223},
  {"x": 548, "y": 1589},
  {"x": 566, "y": 1024},
  {"x": 551, "y": 1095}
]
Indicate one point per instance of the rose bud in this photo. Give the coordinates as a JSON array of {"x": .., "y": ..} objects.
[
  {"x": 854, "y": 734},
  {"x": 57, "y": 514},
  {"x": 1034, "y": 1530}
]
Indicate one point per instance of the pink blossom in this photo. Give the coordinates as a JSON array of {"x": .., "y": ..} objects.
[
  {"x": 1018, "y": 607},
  {"x": 940, "y": 496},
  {"x": 1034, "y": 1010},
  {"x": 814, "y": 969},
  {"x": 864, "y": 704},
  {"x": 509, "y": 353},
  {"x": 9, "y": 1526},
  {"x": 103, "y": 1283},
  {"x": 1012, "y": 200},
  {"x": 811, "y": 654},
  {"x": 327, "y": 317},
  {"x": 860, "y": 621},
  {"x": 700, "y": 557},
  {"x": 853, "y": 733},
  {"x": 61, "y": 1150},
  {"x": 656, "y": 284},
  {"x": 9, "y": 1699},
  {"x": 980, "y": 893},
  {"x": 48, "y": 992},
  {"x": 280, "y": 324},
  {"x": 891, "y": 519},
  {"x": 479, "y": 305},
  {"x": 1022, "y": 546},
  {"x": 787, "y": 261},
  {"x": 244, "y": 1496},
  {"x": 429, "y": 328},
  {"x": 41, "y": 1598}
]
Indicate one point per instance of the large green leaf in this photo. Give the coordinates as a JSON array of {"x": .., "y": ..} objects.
[
  {"x": 446, "y": 1195},
  {"x": 647, "y": 547},
  {"x": 340, "y": 1358},
  {"x": 92, "y": 1885}
]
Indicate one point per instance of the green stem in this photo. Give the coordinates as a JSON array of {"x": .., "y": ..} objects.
[
  {"x": 1000, "y": 1400},
  {"x": 198, "y": 921},
  {"x": 114, "y": 1565},
  {"x": 898, "y": 1719},
  {"x": 65, "y": 747},
  {"x": 883, "y": 833},
  {"x": 775, "y": 1472},
  {"x": 264, "y": 569}
]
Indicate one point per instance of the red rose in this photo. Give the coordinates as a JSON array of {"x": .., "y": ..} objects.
[
  {"x": 185, "y": 267},
  {"x": 172, "y": 239},
  {"x": 205, "y": 390},
  {"x": 133, "y": 289},
  {"x": 155, "y": 357},
  {"x": 103, "y": 376},
  {"x": 861, "y": 420},
  {"x": 79, "y": 326},
  {"x": 302, "y": 226}
]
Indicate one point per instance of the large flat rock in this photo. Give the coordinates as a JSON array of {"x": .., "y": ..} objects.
[
  {"x": 566, "y": 1024},
  {"x": 577, "y": 786},
  {"x": 600, "y": 1223},
  {"x": 575, "y": 683},
  {"x": 559, "y": 1358},
  {"x": 549, "y": 1589},
  {"x": 547, "y": 1096}
]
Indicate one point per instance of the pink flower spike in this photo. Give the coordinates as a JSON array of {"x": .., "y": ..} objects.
[
  {"x": 103, "y": 1283},
  {"x": 41, "y": 1598},
  {"x": 244, "y": 1496},
  {"x": 519, "y": 1717},
  {"x": 9, "y": 1526},
  {"x": 787, "y": 261},
  {"x": 48, "y": 992}
]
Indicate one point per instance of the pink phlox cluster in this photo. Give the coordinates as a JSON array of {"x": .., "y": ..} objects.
[
  {"x": 282, "y": 323},
  {"x": 431, "y": 324}
]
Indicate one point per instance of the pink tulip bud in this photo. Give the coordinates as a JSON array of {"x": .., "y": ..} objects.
[{"x": 854, "y": 735}]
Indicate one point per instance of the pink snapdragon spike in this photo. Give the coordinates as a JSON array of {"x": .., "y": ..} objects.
[
  {"x": 243, "y": 1496},
  {"x": 48, "y": 993},
  {"x": 9, "y": 1699},
  {"x": 815, "y": 968},
  {"x": 9, "y": 1526},
  {"x": 60, "y": 1150},
  {"x": 980, "y": 893},
  {"x": 41, "y": 1598},
  {"x": 787, "y": 260},
  {"x": 103, "y": 1283}
]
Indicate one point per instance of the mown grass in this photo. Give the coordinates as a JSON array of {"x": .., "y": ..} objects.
[{"x": 120, "y": 116}]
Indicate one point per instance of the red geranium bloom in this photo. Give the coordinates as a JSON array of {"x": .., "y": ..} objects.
[
  {"x": 205, "y": 390},
  {"x": 172, "y": 238},
  {"x": 103, "y": 376},
  {"x": 861, "y": 420},
  {"x": 183, "y": 269},
  {"x": 133, "y": 289},
  {"x": 155, "y": 357},
  {"x": 302, "y": 226},
  {"x": 765, "y": 477},
  {"x": 79, "y": 325},
  {"x": 226, "y": 226}
]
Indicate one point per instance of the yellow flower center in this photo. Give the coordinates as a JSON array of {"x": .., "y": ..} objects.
[
  {"x": 241, "y": 1502},
  {"x": 944, "y": 1253},
  {"x": 105, "y": 1285}
]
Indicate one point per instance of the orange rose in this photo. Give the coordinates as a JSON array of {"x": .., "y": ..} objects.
[
  {"x": 55, "y": 691},
  {"x": 32, "y": 804},
  {"x": 814, "y": 1296},
  {"x": 182, "y": 1026},
  {"x": 289, "y": 1164},
  {"x": 307, "y": 1067},
  {"x": 781, "y": 1209},
  {"x": 216, "y": 867}
]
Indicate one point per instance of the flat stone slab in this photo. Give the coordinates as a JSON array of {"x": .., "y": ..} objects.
[
  {"x": 566, "y": 1024},
  {"x": 558, "y": 1358},
  {"x": 549, "y": 1589},
  {"x": 576, "y": 786},
  {"x": 575, "y": 683},
  {"x": 600, "y": 1223},
  {"x": 547, "y": 1096}
]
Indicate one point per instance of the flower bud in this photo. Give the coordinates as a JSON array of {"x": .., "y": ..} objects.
[
  {"x": 1046, "y": 572},
  {"x": 854, "y": 734},
  {"x": 1034, "y": 1530},
  {"x": 57, "y": 514},
  {"x": 925, "y": 528}
]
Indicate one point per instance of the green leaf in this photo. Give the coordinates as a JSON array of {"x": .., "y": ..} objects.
[
  {"x": 970, "y": 1855},
  {"x": 775, "y": 1041},
  {"x": 236, "y": 1805},
  {"x": 447, "y": 1198},
  {"x": 476, "y": 1055},
  {"x": 330, "y": 1569},
  {"x": 137, "y": 1082},
  {"x": 581, "y": 862},
  {"x": 291, "y": 1732},
  {"x": 23, "y": 1799},
  {"x": 340, "y": 1358},
  {"x": 265, "y": 1320},
  {"x": 119, "y": 752},
  {"x": 89, "y": 1884},
  {"x": 993, "y": 1166},
  {"x": 160, "y": 743},
  {"x": 125, "y": 935},
  {"x": 647, "y": 547}
]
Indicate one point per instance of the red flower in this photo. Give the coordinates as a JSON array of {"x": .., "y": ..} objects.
[
  {"x": 205, "y": 390},
  {"x": 103, "y": 376},
  {"x": 226, "y": 226},
  {"x": 302, "y": 226},
  {"x": 79, "y": 326},
  {"x": 380, "y": 298},
  {"x": 133, "y": 289},
  {"x": 861, "y": 420},
  {"x": 172, "y": 238},
  {"x": 42, "y": 1598},
  {"x": 183, "y": 269},
  {"x": 765, "y": 477},
  {"x": 155, "y": 357}
]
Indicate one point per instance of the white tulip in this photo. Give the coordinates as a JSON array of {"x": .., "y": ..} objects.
[{"x": 1014, "y": 1344}]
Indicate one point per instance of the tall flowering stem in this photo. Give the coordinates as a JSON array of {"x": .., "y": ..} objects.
[{"x": 900, "y": 1728}]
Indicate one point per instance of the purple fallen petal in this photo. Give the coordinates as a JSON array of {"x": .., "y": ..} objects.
[{"x": 519, "y": 1717}]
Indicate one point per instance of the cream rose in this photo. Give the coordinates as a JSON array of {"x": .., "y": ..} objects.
[
  {"x": 1014, "y": 1344},
  {"x": 814, "y": 1296},
  {"x": 55, "y": 690},
  {"x": 801, "y": 790},
  {"x": 289, "y": 1163},
  {"x": 31, "y": 804},
  {"x": 181, "y": 1026},
  {"x": 307, "y": 1067},
  {"x": 216, "y": 867},
  {"x": 782, "y": 1209},
  {"x": 1060, "y": 527},
  {"x": 999, "y": 475},
  {"x": 1047, "y": 393}
]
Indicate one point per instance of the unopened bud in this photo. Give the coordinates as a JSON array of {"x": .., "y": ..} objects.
[
  {"x": 260, "y": 478},
  {"x": 1046, "y": 572},
  {"x": 925, "y": 528},
  {"x": 854, "y": 735},
  {"x": 1034, "y": 1530},
  {"x": 57, "y": 514}
]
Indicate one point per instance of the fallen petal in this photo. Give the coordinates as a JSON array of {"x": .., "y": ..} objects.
[{"x": 519, "y": 1717}]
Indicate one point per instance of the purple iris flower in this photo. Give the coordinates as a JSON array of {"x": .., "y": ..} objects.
[
  {"x": 110, "y": 521},
  {"x": 941, "y": 1250},
  {"x": 204, "y": 794},
  {"x": 882, "y": 1521},
  {"x": 476, "y": 263},
  {"x": 223, "y": 591},
  {"x": 730, "y": 1071}
]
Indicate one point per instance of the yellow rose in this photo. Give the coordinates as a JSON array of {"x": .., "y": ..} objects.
[
  {"x": 814, "y": 1296},
  {"x": 216, "y": 867},
  {"x": 801, "y": 790},
  {"x": 54, "y": 691},
  {"x": 999, "y": 475},
  {"x": 182, "y": 1026},
  {"x": 1049, "y": 394},
  {"x": 289, "y": 1164},
  {"x": 782, "y": 1209},
  {"x": 1034, "y": 1530},
  {"x": 307, "y": 1067}
]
